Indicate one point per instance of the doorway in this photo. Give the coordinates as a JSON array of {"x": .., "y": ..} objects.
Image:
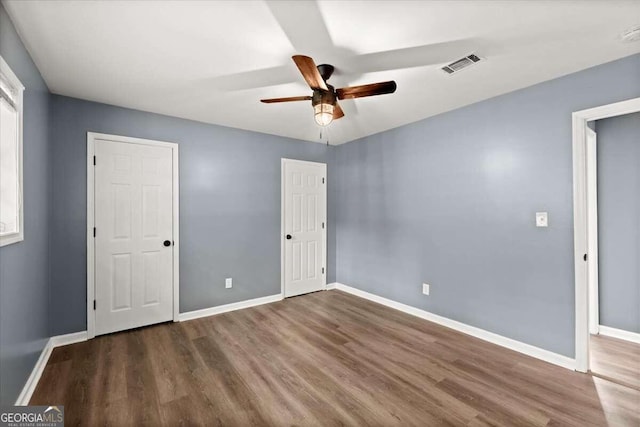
[
  {"x": 132, "y": 233},
  {"x": 613, "y": 162},
  {"x": 586, "y": 240},
  {"x": 304, "y": 227}
]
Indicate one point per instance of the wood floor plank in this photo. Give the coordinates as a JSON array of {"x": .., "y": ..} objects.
[
  {"x": 615, "y": 359},
  {"x": 301, "y": 361},
  {"x": 322, "y": 359},
  {"x": 53, "y": 383},
  {"x": 141, "y": 389},
  {"x": 171, "y": 381},
  {"x": 379, "y": 389}
]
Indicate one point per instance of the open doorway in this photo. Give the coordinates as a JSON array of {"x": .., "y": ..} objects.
[
  {"x": 606, "y": 149},
  {"x": 590, "y": 315},
  {"x": 613, "y": 217}
]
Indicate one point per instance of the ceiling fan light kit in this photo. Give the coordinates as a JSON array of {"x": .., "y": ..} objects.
[
  {"x": 324, "y": 99},
  {"x": 323, "y": 113}
]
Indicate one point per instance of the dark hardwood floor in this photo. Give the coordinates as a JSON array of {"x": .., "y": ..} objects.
[
  {"x": 327, "y": 358},
  {"x": 616, "y": 360}
]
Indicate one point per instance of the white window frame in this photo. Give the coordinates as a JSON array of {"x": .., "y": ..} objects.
[{"x": 16, "y": 85}]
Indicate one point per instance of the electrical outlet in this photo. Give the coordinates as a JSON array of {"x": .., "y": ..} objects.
[
  {"x": 542, "y": 219},
  {"x": 228, "y": 282},
  {"x": 425, "y": 288}
]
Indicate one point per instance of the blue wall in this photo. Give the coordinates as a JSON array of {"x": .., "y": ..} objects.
[
  {"x": 451, "y": 201},
  {"x": 619, "y": 221},
  {"x": 229, "y": 205},
  {"x": 24, "y": 289}
]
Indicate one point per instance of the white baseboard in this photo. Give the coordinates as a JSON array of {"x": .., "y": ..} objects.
[
  {"x": 38, "y": 369},
  {"x": 620, "y": 334},
  {"x": 60, "y": 340},
  {"x": 190, "y": 315},
  {"x": 29, "y": 387},
  {"x": 331, "y": 286},
  {"x": 529, "y": 350}
]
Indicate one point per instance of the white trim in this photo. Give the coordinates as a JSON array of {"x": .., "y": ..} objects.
[
  {"x": 30, "y": 386},
  {"x": 620, "y": 334},
  {"x": 331, "y": 286},
  {"x": 282, "y": 226},
  {"x": 92, "y": 137},
  {"x": 206, "y": 312},
  {"x": 60, "y": 340},
  {"x": 284, "y": 161},
  {"x": 580, "y": 217},
  {"x": 176, "y": 231},
  {"x": 529, "y": 350},
  {"x": 91, "y": 289},
  {"x": 7, "y": 71},
  {"x": 19, "y": 87},
  {"x": 57, "y": 341},
  {"x": 592, "y": 220}
]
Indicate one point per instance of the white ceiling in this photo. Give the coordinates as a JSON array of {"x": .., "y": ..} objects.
[{"x": 212, "y": 61}]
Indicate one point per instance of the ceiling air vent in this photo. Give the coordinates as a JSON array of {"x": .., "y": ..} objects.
[{"x": 461, "y": 64}]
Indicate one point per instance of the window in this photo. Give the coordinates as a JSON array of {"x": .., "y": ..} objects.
[{"x": 11, "y": 215}]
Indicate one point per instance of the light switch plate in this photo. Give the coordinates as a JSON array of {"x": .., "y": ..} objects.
[
  {"x": 425, "y": 288},
  {"x": 542, "y": 219},
  {"x": 228, "y": 283}
]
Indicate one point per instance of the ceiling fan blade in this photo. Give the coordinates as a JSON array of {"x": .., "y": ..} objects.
[
  {"x": 366, "y": 90},
  {"x": 289, "y": 99},
  {"x": 303, "y": 24},
  {"x": 417, "y": 56},
  {"x": 264, "y": 77},
  {"x": 310, "y": 72},
  {"x": 337, "y": 112}
]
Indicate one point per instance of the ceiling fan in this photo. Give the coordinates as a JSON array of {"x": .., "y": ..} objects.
[{"x": 325, "y": 97}]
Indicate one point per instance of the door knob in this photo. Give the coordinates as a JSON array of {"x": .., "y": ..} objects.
[
  {"x": 167, "y": 243},
  {"x": 288, "y": 236}
]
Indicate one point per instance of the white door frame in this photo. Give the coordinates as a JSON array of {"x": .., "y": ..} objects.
[
  {"x": 592, "y": 226},
  {"x": 282, "y": 220},
  {"x": 581, "y": 230},
  {"x": 92, "y": 137}
]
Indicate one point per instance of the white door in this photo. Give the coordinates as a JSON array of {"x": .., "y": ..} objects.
[
  {"x": 133, "y": 235},
  {"x": 304, "y": 226},
  {"x": 592, "y": 221}
]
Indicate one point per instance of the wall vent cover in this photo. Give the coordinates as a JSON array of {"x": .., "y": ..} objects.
[{"x": 461, "y": 64}]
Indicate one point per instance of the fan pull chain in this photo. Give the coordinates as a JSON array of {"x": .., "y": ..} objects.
[{"x": 326, "y": 133}]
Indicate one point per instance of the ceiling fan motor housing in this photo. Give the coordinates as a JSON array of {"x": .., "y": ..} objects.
[
  {"x": 325, "y": 71},
  {"x": 324, "y": 96}
]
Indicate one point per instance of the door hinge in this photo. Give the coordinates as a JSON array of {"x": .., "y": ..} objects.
[
  {"x": 94, "y": 232},
  {"x": 94, "y": 160},
  {"x": 585, "y": 257},
  {"x": 323, "y": 225},
  {"x": 322, "y": 270},
  {"x": 323, "y": 180},
  {"x": 94, "y": 304}
]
